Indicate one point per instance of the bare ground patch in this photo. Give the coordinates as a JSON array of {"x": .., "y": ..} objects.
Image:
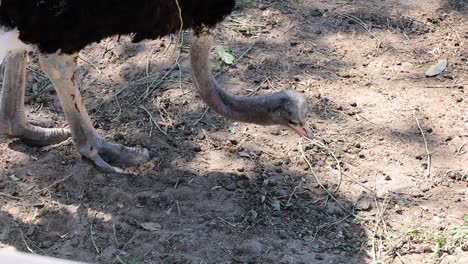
[{"x": 364, "y": 190}]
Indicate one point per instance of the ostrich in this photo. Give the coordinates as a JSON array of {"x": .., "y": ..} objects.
[{"x": 59, "y": 29}]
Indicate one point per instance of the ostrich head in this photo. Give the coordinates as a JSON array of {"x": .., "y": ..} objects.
[{"x": 290, "y": 110}]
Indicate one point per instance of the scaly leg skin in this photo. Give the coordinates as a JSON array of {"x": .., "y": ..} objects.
[
  {"x": 60, "y": 69},
  {"x": 12, "y": 113}
]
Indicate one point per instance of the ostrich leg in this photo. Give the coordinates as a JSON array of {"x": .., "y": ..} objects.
[
  {"x": 12, "y": 113},
  {"x": 60, "y": 70}
]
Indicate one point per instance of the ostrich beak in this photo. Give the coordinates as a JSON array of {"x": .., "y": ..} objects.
[{"x": 302, "y": 130}]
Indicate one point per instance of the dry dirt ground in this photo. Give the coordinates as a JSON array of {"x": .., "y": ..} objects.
[{"x": 384, "y": 180}]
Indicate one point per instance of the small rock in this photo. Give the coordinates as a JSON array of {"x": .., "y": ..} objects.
[
  {"x": 425, "y": 188},
  {"x": 243, "y": 184},
  {"x": 357, "y": 145},
  {"x": 457, "y": 175},
  {"x": 211, "y": 224},
  {"x": 465, "y": 247},
  {"x": 364, "y": 204},
  {"x": 293, "y": 43},
  {"x": 151, "y": 226},
  {"x": 423, "y": 249},
  {"x": 241, "y": 169},
  {"x": 119, "y": 137},
  {"x": 362, "y": 156},
  {"x": 398, "y": 209},
  {"x": 269, "y": 182},
  {"x": 279, "y": 169},
  {"x": 252, "y": 216},
  {"x": 230, "y": 187},
  {"x": 75, "y": 242},
  {"x": 315, "y": 12},
  {"x": 282, "y": 234},
  {"x": 319, "y": 257},
  {"x": 244, "y": 177},
  {"x": 353, "y": 104},
  {"x": 197, "y": 149},
  {"x": 100, "y": 178},
  {"x": 388, "y": 178},
  {"x": 47, "y": 244},
  {"x": 108, "y": 253},
  {"x": 31, "y": 231}
]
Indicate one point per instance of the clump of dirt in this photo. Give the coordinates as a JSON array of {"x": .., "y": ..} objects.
[{"x": 383, "y": 180}]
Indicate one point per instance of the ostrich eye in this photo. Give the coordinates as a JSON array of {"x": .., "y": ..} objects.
[{"x": 294, "y": 123}]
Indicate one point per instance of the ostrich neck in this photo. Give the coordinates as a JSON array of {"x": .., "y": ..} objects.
[{"x": 246, "y": 109}]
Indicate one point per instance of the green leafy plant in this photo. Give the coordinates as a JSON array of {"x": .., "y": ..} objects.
[
  {"x": 225, "y": 56},
  {"x": 276, "y": 205}
]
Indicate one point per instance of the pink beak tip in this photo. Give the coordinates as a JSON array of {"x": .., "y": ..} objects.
[{"x": 304, "y": 131}]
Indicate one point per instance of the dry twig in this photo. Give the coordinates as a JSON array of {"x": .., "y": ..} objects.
[
  {"x": 459, "y": 151},
  {"x": 429, "y": 159},
  {"x": 56, "y": 182},
  {"x": 227, "y": 222},
  {"x": 115, "y": 234},
  {"x": 81, "y": 57},
  {"x": 10, "y": 196},
  {"x": 201, "y": 117},
  {"x": 25, "y": 243},
  {"x": 338, "y": 163},
  {"x": 152, "y": 121},
  {"x": 330, "y": 194},
  {"x": 92, "y": 236},
  {"x": 363, "y": 25}
]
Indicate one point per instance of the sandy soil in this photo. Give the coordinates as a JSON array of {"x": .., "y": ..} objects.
[{"x": 224, "y": 192}]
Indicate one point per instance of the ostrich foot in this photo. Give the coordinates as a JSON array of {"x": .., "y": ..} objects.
[
  {"x": 104, "y": 153},
  {"x": 60, "y": 68},
  {"x": 33, "y": 135},
  {"x": 13, "y": 121}
]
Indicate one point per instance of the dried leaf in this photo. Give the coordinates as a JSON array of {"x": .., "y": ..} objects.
[
  {"x": 244, "y": 154},
  {"x": 14, "y": 178},
  {"x": 233, "y": 130},
  {"x": 437, "y": 68},
  {"x": 151, "y": 226}
]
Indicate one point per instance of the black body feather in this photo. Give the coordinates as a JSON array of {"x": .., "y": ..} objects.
[{"x": 70, "y": 25}]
